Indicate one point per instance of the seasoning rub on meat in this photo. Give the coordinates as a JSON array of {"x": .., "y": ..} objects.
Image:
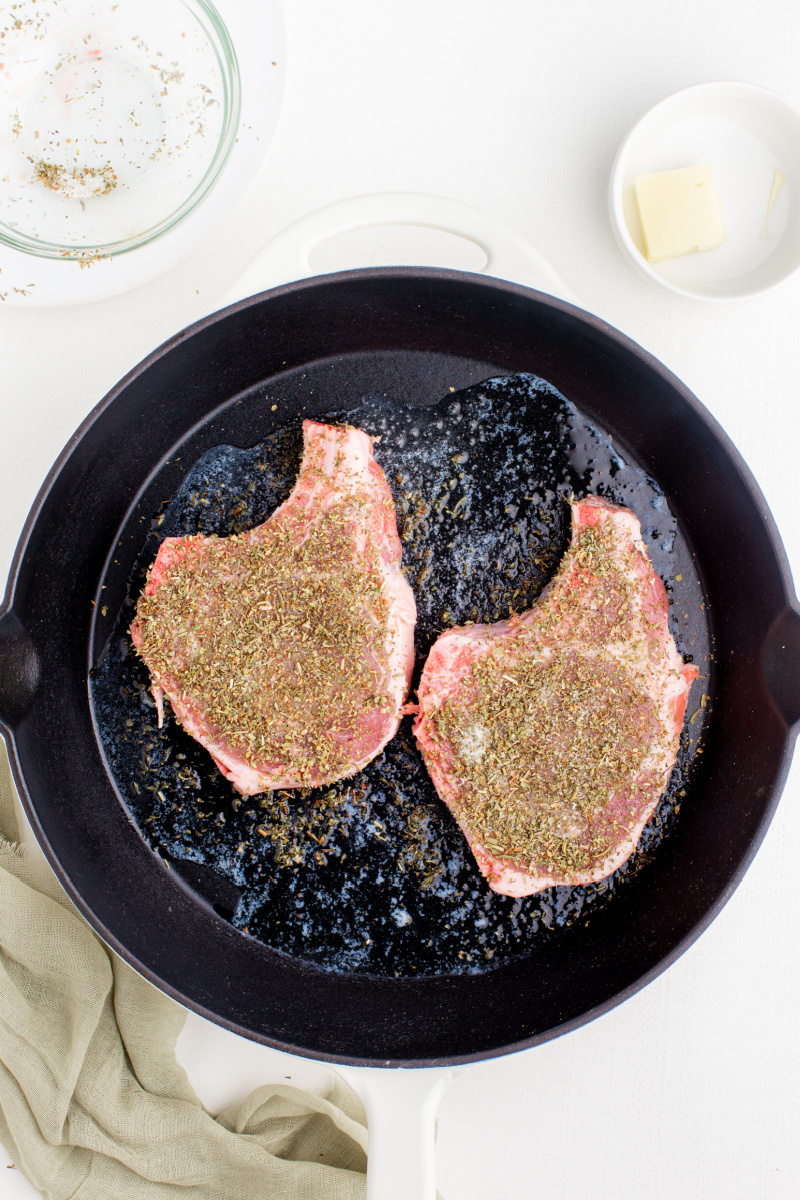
[
  {"x": 551, "y": 736},
  {"x": 287, "y": 651}
]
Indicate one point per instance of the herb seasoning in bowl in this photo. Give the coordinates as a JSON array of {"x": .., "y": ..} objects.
[{"x": 119, "y": 119}]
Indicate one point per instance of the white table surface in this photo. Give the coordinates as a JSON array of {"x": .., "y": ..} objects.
[{"x": 692, "y": 1088}]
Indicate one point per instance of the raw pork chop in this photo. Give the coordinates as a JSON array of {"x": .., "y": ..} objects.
[
  {"x": 287, "y": 651},
  {"x": 551, "y": 736}
]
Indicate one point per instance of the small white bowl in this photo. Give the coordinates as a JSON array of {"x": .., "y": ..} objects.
[{"x": 748, "y": 134}]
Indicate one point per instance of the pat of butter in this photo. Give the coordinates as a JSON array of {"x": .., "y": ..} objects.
[{"x": 680, "y": 212}]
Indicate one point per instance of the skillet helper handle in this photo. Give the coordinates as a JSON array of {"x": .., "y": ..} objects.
[
  {"x": 286, "y": 257},
  {"x": 781, "y": 664},
  {"x": 401, "y": 1118},
  {"x": 19, "y": 669}
]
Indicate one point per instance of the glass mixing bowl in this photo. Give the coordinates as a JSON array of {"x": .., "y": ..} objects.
[{"x": 116, "y": 119}]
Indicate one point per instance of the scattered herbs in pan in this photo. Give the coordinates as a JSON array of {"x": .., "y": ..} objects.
[{"x": 372, "y": 874}]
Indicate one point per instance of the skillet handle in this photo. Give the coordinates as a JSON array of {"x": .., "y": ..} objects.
[
  {"x": 19, "y": 669},
  {"x": 781, "y": 664},
  {"x": 286, "y": 257},
  {"x": 401, "y": 1116}
]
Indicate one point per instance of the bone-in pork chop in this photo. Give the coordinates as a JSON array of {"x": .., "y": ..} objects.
[
  {"x": 551, "y": 736},
  {"x": 287, "y": 651}
]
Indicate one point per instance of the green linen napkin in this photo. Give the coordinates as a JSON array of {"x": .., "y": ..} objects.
[{"x": 93, "y": 1104}]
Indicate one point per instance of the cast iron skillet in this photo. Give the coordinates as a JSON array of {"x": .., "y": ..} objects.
[{"x": 323, "y": 343}]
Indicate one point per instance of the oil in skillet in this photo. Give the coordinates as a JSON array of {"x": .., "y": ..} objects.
[{"x": 371, "y": 874}]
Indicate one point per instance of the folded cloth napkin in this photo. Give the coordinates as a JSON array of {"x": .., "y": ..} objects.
[{"x": 93, "y": 1104}]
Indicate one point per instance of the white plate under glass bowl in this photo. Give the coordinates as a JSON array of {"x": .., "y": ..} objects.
[
  {"x": 129, "y": 128},
  {"x": 751, "y": 136}
]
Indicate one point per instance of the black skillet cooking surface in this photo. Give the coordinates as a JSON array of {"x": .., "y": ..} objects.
[
  {"x": 373, "y": 873},
  {"x": 423, "y": 965}
]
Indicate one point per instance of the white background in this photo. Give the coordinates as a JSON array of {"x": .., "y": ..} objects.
[{"x": 692, "y": 1088}]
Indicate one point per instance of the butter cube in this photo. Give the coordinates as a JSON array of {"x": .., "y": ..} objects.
[{"x": 680, "y": 212}]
